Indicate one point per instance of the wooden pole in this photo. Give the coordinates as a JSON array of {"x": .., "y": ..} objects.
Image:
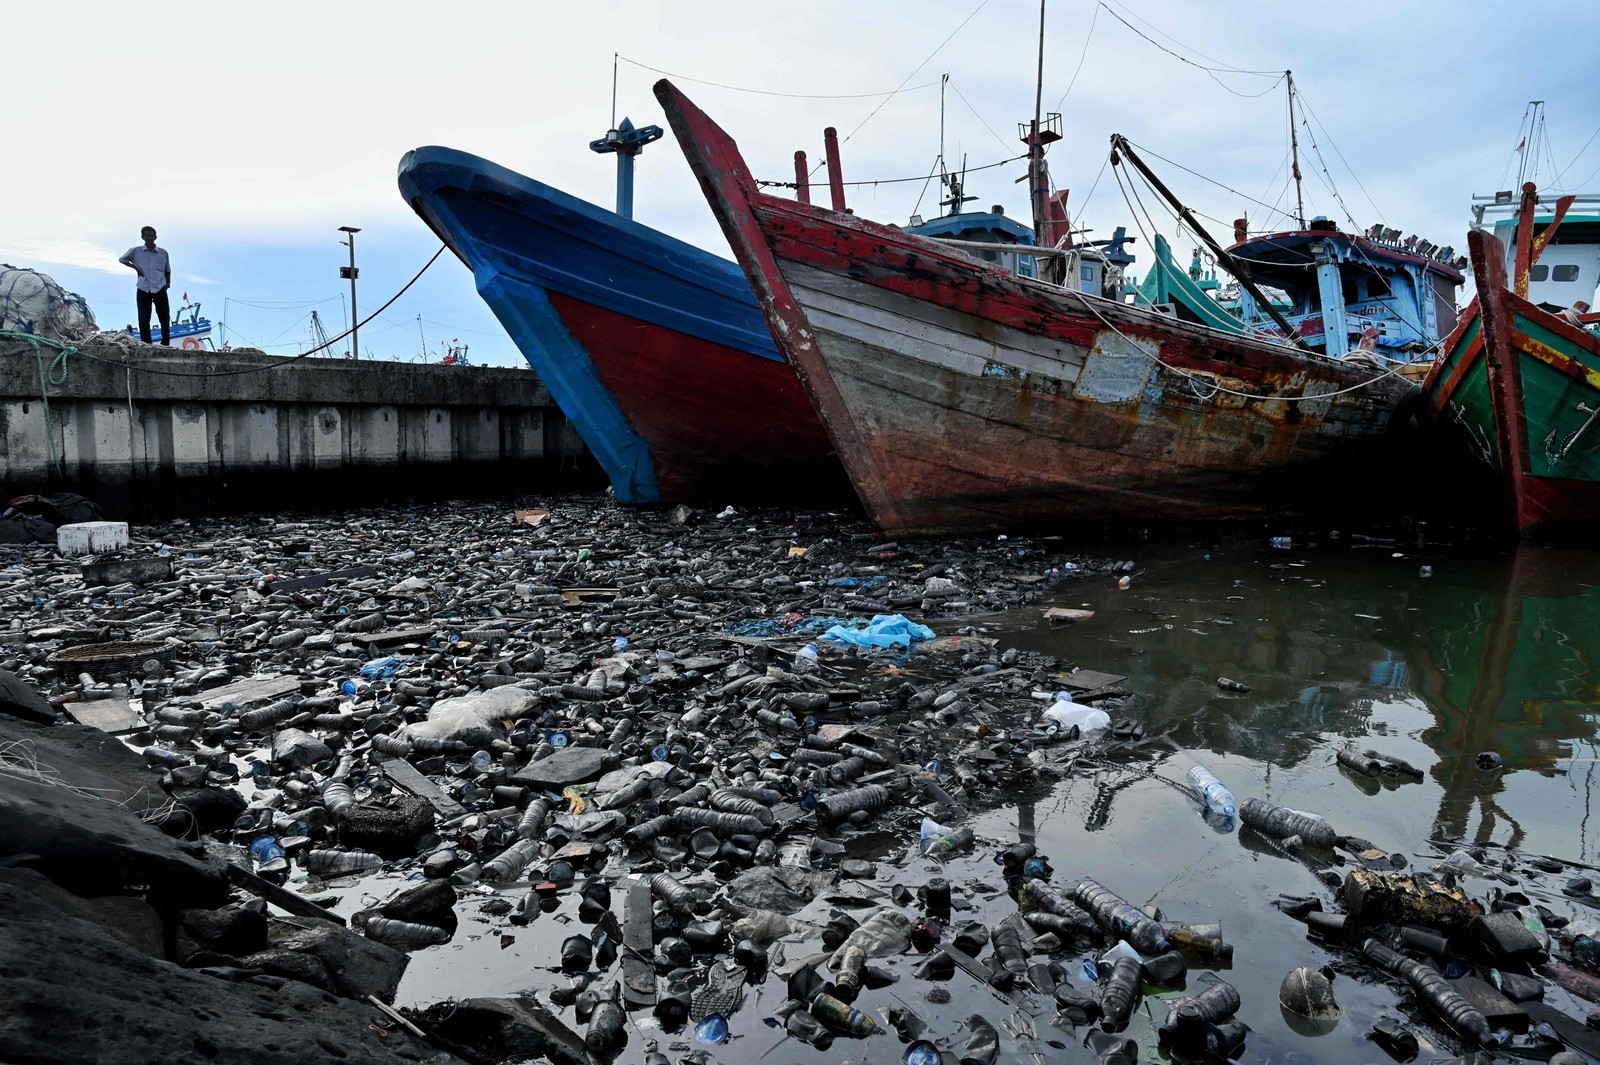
[
  {"x": 830, "y": 144},
  {"x": 1119, "y": 143},
  {"x": 802, "y": 180}
]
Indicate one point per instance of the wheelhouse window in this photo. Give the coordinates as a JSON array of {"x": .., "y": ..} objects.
[{"x": 1566, "y": 272}]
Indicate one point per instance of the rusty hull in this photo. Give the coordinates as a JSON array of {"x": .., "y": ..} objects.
[{"x": 962, "y": 398}]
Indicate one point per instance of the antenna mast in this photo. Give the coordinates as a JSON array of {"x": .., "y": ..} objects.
[
  {"x": 1036, "y": 146},
  {"x": 1294, "y": 149}
]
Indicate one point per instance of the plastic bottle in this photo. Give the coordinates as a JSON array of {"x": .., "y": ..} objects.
[
  {"x": 1213, "y": 794},
  {"x": 1118, "y": 992},
  {"x": 1280, "y": 823},
  {"x": 605, "y": 1025},
  {"x": 842, "y": 804},
  {"x": 1008, "y": 953},
  {"x": 847, "y": 977},
  {"x": 1068, "y": 715},
  {"x": 338, "y": 798},
  {"x": 1038, "y": 895},
  {"x": 341, "y": 863},
  {"x": 674, "y": 894},
  {"x": 511, "y": 862},
  {"x": 1359, "y": 763},
  {"x": 842, "y": 1017},
  {"x": 268, "y": 855},
  {"x": 1121, "y": 918},
  {"x": 407, "y": 935},
  {"x": 533, "y": 819},
  {"x": 1430, "y": 988}
]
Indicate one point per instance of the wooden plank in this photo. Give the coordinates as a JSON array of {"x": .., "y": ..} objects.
[
  {"x": 1058, "y": 614},
  {"x": 406, "y": 777},
  {"x": 300, "y": 584},
  {"x": 251, "y": 690},
  {"x": 107, "y": 715},
  {"x": 638, "y": 970},
  {"x": 1090, "y": 679},
  {"x": 281, "y": 897},
  {"x": 390, "y": 637}
]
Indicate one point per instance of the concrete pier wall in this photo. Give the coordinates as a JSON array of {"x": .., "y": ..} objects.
[{"x": 292, "y": 434}]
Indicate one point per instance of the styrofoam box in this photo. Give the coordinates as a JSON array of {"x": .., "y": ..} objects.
[{"x": 91, "y": 538}]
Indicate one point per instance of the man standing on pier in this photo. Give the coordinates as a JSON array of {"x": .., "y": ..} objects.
[{"x": 155, "y": 276}]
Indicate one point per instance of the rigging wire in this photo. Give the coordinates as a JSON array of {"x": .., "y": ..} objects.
[
  {"x": 768, "y": 92},
  {"x": 1275, "y": 74},
  {"x": 1213, "y": 181},
  {"x": 1334, "y": 145},
  {"x": 979, "y": 117},
  {"x": 981, "y": 5},
  {"x": 1081, "y": 57},
  {"x": 1575, "y": 158},
  {"x": 890, "y": 181}
]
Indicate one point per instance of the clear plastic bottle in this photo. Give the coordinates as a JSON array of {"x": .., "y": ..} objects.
[{"x": 1213, "y": 793}]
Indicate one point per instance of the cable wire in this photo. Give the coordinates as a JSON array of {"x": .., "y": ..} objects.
[{"x": 784, "y": 95}]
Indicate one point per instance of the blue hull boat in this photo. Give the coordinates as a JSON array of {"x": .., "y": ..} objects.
[{"x": 654, "y": 349}]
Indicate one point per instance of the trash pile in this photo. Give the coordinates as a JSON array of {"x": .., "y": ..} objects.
[{"x": 739, "y": 758}]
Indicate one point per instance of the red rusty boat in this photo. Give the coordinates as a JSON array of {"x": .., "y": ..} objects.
[{"x": 962, "y": 397}]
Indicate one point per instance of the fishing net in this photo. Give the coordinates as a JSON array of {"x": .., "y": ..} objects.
[{"x": 31, "y": 302}]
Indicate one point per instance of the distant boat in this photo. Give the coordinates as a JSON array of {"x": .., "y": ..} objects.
[
  {"x": 1518, "y": 383},
  {"x": 962, "y": 398},
  {"x": 187, "y": 329},
  {"x": 654, "y": 349}
]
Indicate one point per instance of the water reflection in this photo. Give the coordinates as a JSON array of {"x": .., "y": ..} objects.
[
  {"x": 1506, "y": 661},
  {"x": 1343, "y": 645}
]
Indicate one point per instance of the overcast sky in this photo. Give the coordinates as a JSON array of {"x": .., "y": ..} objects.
[{"x": 247, "y": 134}]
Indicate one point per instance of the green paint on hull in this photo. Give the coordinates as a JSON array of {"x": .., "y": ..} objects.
[{"x": 1551, "y": 400}]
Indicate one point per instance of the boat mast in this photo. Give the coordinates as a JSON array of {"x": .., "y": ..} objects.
[
  {"x": 1120, "y": 145},
  {"x": 1294, "y": 151},
  {"x": 1037, "y": 184}
]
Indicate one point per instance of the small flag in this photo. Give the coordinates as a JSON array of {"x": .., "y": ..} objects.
[
  {"x": 1523, "y": 143},
  {"x": 186, "y": 297}
]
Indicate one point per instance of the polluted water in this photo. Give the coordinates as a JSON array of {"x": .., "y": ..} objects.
[{"x": 720, "y": 783}]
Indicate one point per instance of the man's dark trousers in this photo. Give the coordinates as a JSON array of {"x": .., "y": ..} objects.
[{"x": 163, "y": 314}]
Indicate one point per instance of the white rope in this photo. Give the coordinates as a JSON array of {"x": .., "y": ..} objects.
[{"x": 1198, "y": 380}]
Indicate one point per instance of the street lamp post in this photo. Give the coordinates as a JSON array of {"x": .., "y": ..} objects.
[{"x": 352, "y": 273}]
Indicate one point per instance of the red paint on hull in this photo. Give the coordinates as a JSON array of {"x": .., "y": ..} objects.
[
  {"x": 717, "y": 420},
  {"x": 900, "y": 355}
]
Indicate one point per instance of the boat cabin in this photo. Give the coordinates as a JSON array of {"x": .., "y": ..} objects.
[
  {"x": 1349, "y": 290},
  {"x": 990, "y": 228},
  {"x": 1568, "y": 270}
]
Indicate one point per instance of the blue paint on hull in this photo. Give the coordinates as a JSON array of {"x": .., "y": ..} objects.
[{"x": 523, "y": 240}]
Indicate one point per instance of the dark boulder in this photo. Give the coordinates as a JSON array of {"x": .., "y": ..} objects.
[{"x": 18, "y": 699}]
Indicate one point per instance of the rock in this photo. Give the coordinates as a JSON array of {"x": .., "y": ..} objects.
[
  {"x": 432, "y": 903},
  {"x": 390, "y": 829},
  {"x": 18, "y": 699},
  {"x": 210, "y": 809},
  {"x": 92, "y": 846},
  {"x": 293, "y": 748},
  {"x": 125, "y": 917},
  {"x": 493, "y": 1030},
  {"x": 237, "y": 930},
  {"x": 1405, "y": 898},
  {"x": 356, "y": 965},
  {"x": 568, "y": 766},
  {"x": 94, "y": 998},
  {"x": 291, "y": 965}
]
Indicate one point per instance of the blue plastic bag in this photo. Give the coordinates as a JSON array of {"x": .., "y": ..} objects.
[{"x": 884, "y": 630}]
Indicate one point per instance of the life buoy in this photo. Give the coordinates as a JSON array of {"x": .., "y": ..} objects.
[{"x": 191, "y": 344}]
